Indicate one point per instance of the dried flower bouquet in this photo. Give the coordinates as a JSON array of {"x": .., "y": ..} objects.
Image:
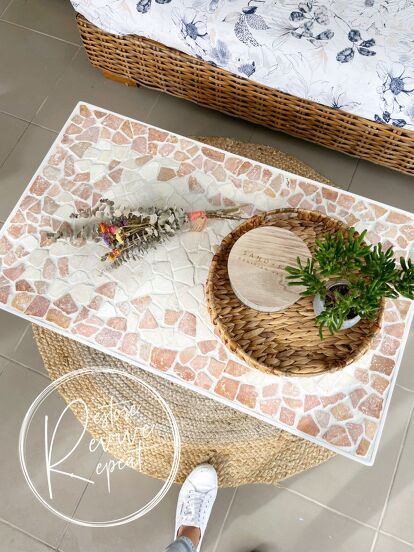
[{"x": 129, "y": 234}]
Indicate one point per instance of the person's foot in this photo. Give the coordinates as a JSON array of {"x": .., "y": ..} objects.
[{"x": 195, "y": 502}]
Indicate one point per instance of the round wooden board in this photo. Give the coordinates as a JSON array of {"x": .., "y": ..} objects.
[{"x": 256, "y": 267}]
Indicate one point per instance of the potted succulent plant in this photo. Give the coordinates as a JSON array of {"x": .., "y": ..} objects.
[{"x": 349, "y": 278}]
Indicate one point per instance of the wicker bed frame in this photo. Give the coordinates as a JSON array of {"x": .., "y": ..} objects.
[{"x": 136, "y": 60}]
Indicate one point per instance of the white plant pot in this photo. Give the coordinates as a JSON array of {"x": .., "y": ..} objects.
[{"x": 319, "y": 306}]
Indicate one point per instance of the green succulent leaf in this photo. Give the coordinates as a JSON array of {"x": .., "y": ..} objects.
[
  {"x": 404, "y": 283},
  {"x": 334, "y": 315},
  {"x": 305, "y": 276},
  {"x": 370, "y": 270}
]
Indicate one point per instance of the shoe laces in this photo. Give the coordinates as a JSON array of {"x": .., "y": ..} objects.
[{"x": 193, "y": 505}]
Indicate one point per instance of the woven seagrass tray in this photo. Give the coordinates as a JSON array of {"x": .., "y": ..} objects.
[{"x": 284, "y": 342}]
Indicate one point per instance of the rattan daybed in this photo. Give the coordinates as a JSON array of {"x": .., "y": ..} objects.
[{"x": 132, "y": 59}]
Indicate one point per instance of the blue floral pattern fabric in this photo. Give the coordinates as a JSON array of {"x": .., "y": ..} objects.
[{"x": 355, "y": 55}]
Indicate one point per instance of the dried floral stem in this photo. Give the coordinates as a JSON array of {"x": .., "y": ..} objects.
[
  {"x": 228, "y": 213},
  {"x": 131, "y": 233}
]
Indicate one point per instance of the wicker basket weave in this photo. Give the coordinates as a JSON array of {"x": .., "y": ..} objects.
[
  {"x": 134, "y": 59},
  {"x": 284, "y": 342}
]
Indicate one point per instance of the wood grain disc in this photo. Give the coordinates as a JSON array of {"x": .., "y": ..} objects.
[{"x": 256, "y": 267}]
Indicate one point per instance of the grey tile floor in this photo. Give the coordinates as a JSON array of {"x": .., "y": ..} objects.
[{"x": 339, "y": 506}]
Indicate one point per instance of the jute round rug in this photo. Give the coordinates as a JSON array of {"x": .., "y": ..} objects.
[{"x": 241, "y": 448}]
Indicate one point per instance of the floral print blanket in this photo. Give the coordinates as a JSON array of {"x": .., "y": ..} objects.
[{"x": 354, "y": 55}]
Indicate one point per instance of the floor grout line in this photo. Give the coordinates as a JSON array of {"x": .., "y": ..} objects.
[
  {"x": 24, "y": 532},
  {"x": 46, "y": 97},
  {"x": 62, "y": 536},
  {"x": 16, "y": 143},
  {"x": 61, "y": 76},
  {"x": 353, "y": 174},
  {"x": 226, "y": 515},
  {"x": 24, "y": 366},
  {"x": 397, "y": 463},
  {"x": 377, "y": 528},
  {"x": 151, "y": 109},
  {"x": 399, "y": 539},
  {"x": 19, "y": 342},
  {"x": 329, "y": 508},
  {"x": 78, "y": 503},
  {"x": 249, "y": 139},
  {"x": 404, "y": 388},
  {"x": 28, "y": 124},
  {"x": 6, "y": 8},
  {"x": 374, "y": 542},
  {"x": 43, "y": 127},
  {"x": 36, "y": 31},
  {"x": 31, "y": 121},
  {"x": 3, "y": 366},
  {"x": 2, "y": 112}
]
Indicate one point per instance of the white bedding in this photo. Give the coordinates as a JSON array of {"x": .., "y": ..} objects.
[{"x": 355, "y": 55}]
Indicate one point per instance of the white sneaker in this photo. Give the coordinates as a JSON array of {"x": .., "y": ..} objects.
[{"x": 196, "y": 499}]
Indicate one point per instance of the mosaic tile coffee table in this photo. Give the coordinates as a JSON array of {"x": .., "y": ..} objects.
[{"x": 152, "y": 313}]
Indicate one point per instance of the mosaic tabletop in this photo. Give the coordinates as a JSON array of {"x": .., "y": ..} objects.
[{"x": 152, "y": 312}]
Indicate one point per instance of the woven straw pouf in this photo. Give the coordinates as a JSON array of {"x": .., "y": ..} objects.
[{"x": 242, "y": 449}]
